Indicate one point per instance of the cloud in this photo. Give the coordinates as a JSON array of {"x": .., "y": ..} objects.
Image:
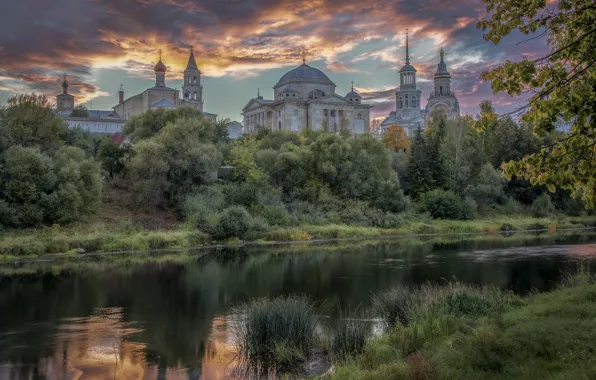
[{"x": 241, "y": 39}]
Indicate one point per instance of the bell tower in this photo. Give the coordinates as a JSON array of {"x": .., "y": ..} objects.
[
  {"x": 192, "y": 91},
  {"x": 65, "y": 101}
]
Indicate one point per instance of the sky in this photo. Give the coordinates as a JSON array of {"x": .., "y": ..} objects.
[{"x": 245, "y": 45}]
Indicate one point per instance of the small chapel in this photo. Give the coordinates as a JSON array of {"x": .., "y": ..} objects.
[{"x": 305, "y": 97}]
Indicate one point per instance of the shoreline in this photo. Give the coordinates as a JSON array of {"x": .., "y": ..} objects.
[{"x": 52, "y": 257}]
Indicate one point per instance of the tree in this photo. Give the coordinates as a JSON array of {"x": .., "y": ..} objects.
[
  {"x": 419, "y": 174},
  {"x": 148, "y": 124},
  {"x": 562, "y": 84},
  {"x": 396, "y": 138},
  {"x": 242, "y": 158},
  {"x": 113, "y": 157},
  {"x": 169, "y": 165},
  {"x": 80, "y": 111},
  {"x": 29, "y": 121}
]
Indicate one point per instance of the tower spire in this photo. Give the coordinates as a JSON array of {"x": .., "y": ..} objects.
[
  {"x": 159, "y": 51},
  {"x": 442, "y": 54},
  {"x": 407, "y": 49},
  {"x": 352, "y": 86},
  {"x": 304, "y": 57},
  {"x": 65, "y": 85}
]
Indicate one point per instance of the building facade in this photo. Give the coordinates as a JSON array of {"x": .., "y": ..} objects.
[
  {"x": 305, "y": 98},
  {"x": 442, "y": 98},
  {"x": 408, "y": 113},
  {"x": 162, "y": 96}
]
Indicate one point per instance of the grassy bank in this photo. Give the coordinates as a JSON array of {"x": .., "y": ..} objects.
[
  {"x": 432, "y": 332},
  {"x": 550, "y": 335},
  {"x": 100, "y": 238}
]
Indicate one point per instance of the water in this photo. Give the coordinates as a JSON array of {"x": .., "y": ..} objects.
[{"x": 114, "y": 317}]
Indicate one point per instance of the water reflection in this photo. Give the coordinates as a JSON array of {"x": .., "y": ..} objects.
[{"x": 166, "y": 320}]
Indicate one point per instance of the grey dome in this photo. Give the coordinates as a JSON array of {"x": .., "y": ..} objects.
[
  {"x": 290, "y": 89},
  {"x": 305, "y": 73},
  {"x": 407, "y": 67},
  {"x": 352, "y": 94}
]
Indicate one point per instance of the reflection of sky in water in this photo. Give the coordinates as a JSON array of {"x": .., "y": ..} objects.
[{"x": 168, "y": 320}]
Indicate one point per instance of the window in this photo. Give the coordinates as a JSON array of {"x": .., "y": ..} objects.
[
  {"x": 332, "y": 113},
  {"x": 195, "y": 95},
  {"x": 441, "y": 90},
  {"x": 400, "y": 103},
  {"x": 287, "y": 95},
  {"x": 295, "y": 112},
  {"x": 293, "y": 94},
  {"x": 316, "y": 94},
  {"x": 189, "y": 82},
  {"x": 325, "y": 113},
  {"x": 414, "y": 102},
  {"x": 194, "y": 79},
  {"x": 279, "y": 125},
  {"x": 359, "y": 116}
]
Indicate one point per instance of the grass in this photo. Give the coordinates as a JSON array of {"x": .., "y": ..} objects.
[
  {"x": 280, "y": 333},
  {"x": 350, "y": 337},
  {"x": 127, "y": 236},
  {"x": 460, "y": 332}
]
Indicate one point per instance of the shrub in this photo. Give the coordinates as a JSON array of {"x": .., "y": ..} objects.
[
  {"x": 280, "y": 332},
  {"x": 542, "y": 206},
  {"x": 235, "y": 221},
  {"x": 277, "y": 215},
  {"x": 394, "y": 305},
  {"x": 443, "y": 204},
  {"x": 469, "y": 208},
  {"x": 350, "y": 337}
]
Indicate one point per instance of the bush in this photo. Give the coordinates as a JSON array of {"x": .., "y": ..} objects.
[
  {"x": 277, "y": 215},
  {"x": 444, "y": 204},
  {"x": 350, "y": 337},
  {"x": 235, "y": 221},
  {"x": 280, "y": 332},
  {"x": 542, "y": 206}
]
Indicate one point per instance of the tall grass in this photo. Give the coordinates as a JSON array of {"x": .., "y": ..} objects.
[
  {"x": 349, "y": 337},
  {"x": 279, "y": 333},
  {"x": 395, "y": 305}
]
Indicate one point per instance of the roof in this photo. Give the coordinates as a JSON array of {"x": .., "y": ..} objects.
[
  {"x": 164, "y": 103},
  {"x": 118, "y": 137},
  {"x": 192, "y": 64},
  {"x": 407, "y": 67},
  {"x": 290, "y": 89},
  {"x": 93, "y": 115},
  {"x": 160, "y": 67},
  {"x": 305, "y": 73},
  {"x": 161, "y": 88},
  {"x": 352, "y": 94}
]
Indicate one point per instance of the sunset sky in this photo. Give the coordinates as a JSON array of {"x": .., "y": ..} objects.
[{"x": 242, "y": 45}]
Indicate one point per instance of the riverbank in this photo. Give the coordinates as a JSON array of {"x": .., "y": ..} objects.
[
  {"x": 98, "y": 237},
  {"x": 549, "y": 335}
]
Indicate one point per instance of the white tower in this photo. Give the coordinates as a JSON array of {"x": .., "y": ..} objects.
[
  {"x": 192, "y": 90},
  {"x": 442, "y": 98},
  {"x": 407, "y": 97}
]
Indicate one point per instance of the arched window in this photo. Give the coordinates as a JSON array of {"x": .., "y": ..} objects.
[
  {"x": 359, "y": 116},
  {"x": 279, "y": 125},
  {"x": 332, "y": 113},
  {"x": 195, "y": 95},
  {"x": 400, "y": 102},
  {"x": 194, "y": 79},
  {"x": 441, "y": 90},
  {"x": 189, "y": 82},
  {"x": 407, "y": 102},
  {"x": 186, "y": 95}
]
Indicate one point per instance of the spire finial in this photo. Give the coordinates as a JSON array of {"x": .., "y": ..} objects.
[
  {"x": 304, "y": 57},
  {"x": 442, "y": 53},
  {"x": 159, "y": 51},
  {"x": 258, "y": 92},
  {"x": 352, "y": 86},
  {"x": 407, "y": 49}
]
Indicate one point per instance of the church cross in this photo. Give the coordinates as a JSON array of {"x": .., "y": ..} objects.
[
  {"x": 304, "y": 57},
  {"x": 352, "y": 85},
  {"x": 159, "y": 51}
]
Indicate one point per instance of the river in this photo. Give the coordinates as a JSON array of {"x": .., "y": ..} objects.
[{"x": 163, "y": 316}]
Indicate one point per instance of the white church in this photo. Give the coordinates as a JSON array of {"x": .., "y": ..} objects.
[{"x": 408, "y": 113}]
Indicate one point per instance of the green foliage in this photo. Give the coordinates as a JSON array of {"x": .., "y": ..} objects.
[
  {"x": 419, "y": 172},
  {"x": 242, "y": 158},
  {"x": 80, "y": 138},
  {"x": 280, "y": 332},
  {"x": 79, "y": 111},
  {"x": 113, "y": 157},
  {"x": 151, "y": 122},
  {"x": 350, "y": 337},
  {"x": 395, "y": 305},
  {"x": 234, "y": 221},
  {"x": 563, "y": 84},
  {"x": 446, "y": 205},
  {"x": 35, "y": 189},
  {"x": 487, "y": 189},
  {"x": 542, "y": 206},
  {"x": 29, "y": 121},
  {"x": 168, "y": 166}
]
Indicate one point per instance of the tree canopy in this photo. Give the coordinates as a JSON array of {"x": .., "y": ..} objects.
[{"x": 561, "y": 84}]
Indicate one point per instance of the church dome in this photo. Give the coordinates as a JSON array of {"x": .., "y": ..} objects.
[
  {"x": 290, "y": 90},
  {"x": 305, "y": 73},
  {"x": 407, "y": 67},
  {"x": 160, "y": 67},
  {"x": 352, "y": 94}
]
